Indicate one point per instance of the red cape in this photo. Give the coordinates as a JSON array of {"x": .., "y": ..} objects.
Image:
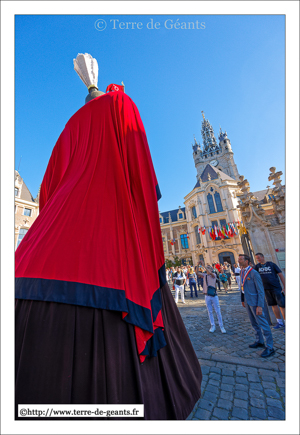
[{"x": 97, "y": 240}]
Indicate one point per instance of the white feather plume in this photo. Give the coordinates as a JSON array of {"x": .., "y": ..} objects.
[{"x": 87, "y": 69}]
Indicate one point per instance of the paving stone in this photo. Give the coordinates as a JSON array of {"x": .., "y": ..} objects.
[
  {"x": 205, "y": 404},
  {"x": 222, "y": 365},
  {"x": 215, "y": 376},
  {"x": 276, "y": 413},
  {"x": 226, "y": 395},
  {"x": 258, "y": 413},
  {"x": 240, "y": 373},
  {"x": 267, "y": 378},
  {"x": 256, "y": 394},
  {"x": 226, "y": 404},
  {"x": 274, "y": 402},
  {"x": 202, "y": 414},
  {"x": 227, "y": 372},
  {"x": 247, "y": 370},
  {"x": 214, "y": 418},
  {"x": 257, "y": 403},
  {"x": 256, "y": 386},
  {"x": 228, "y": 380},
  {"x": 205, "y": 370},
  {"x": 253, "y": 378},
  {"x": 204, "y": 377},
  {"x": 269, "y": 385},
  {"x": 240, "y": 380},
  {"x": 264, "y": 372},
  {"x": 240, "y": 413},
  {"x": 213, "y": 382},
  {"x": 211, "y": 397},
  {"x": 241, "y": 387},
  {"x": 281, "y": 366},
  {"x": 281, "y": 375},
  {"x": 241, "y": 403},
  {"x": 206, "y": 362},
  {"x": 194, "y": 418},
  {"x": 235, "y": 418},
  {"x": 226, "y": 387},
  {"x": 215, "y": 370},
  {"x": 282, "y": 391},
  {"x": 281, "y": 383},
  {"x": 220, "y": 413},
  {"x": 272, "y": 394},
  {"x": 241, "y": 394},
  {"x": 212, "y": 389}
]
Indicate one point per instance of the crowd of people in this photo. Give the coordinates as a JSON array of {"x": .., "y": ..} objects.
[{"x": 259, "y": 285}]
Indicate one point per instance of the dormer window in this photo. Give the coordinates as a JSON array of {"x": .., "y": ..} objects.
[
  {"x": 17, "y": 191},
  {"x": 161, "y": 220},
  {"x": 180, "y": 216}
]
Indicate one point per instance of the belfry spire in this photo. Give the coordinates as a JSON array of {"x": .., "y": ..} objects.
[{"x": 208, "y": 136}]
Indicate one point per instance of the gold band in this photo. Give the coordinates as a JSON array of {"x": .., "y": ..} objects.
[{"x": 92, "y": 86}]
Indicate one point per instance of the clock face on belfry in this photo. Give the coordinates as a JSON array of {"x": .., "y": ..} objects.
[{"x": 214, "y": 162}]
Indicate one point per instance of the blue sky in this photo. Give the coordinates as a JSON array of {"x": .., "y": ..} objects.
[{"x": 233, "y": 69}]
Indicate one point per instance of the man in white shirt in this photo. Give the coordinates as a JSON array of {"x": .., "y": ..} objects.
[{"x": 179, "y": 281}]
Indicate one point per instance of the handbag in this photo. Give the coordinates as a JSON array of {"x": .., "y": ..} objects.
[{"x": 211, "y": 291}]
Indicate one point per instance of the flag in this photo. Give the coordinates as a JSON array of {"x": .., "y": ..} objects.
[
  {"x": 227, "y": 230},
  {"x": 221, "y": 234},
  {"x": 199, "y": 230},
  {"x": 203, "y": 230},
  {"x": 187, "y": 234}
]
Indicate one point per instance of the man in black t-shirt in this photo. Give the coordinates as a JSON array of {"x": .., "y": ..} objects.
[{"x": 275, "y": 295}]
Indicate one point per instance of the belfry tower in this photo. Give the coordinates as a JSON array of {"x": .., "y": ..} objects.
[{"x": 218, "y": 155}]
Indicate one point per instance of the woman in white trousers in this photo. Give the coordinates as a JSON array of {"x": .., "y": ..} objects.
[
  {"x": 179, "y": 281},
  {"x": 209, "y": 279}
]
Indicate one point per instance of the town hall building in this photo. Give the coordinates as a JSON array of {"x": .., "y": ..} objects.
[{"x": 213, "y": 203}]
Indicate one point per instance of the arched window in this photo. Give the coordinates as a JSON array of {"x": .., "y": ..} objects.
[
  {"x": 197, "y": 235},
  {"x": 22, "y": 233},
  {"x": 184, "y": 241},
  {"x": 211, "y": 204},
  {"x": 218, "y": 201}
]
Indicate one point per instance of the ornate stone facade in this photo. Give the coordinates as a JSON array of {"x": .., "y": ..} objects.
[
  {"x": 26, "y": 209},
  {"x": 264, "y": 218}
]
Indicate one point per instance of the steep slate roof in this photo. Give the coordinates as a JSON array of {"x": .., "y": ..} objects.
[
  {"x": 213, "y": 172},
  {"x": 25, "y": 194},
  {"x": 173, "y": 213}
]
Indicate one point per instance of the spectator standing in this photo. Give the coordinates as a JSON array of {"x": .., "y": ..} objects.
[
  {"x": 237, "y": 273},
  {"x": 209, "y": 279},
  {"x": 253, "y": 294},
  {"x": 179, "y": 281},
  {"x": 199, "y": 277},
  {"x": 223, "y": 279},
  {"x": 275, "y": 295},
  {"x": 227, "y": 272},
  {"x": 192, "y": 280}
]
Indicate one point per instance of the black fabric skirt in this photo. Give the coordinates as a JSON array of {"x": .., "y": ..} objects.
[{"x": 69, "y": 354}]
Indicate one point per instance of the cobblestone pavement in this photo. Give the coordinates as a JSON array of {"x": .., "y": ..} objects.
[{"x": 237, "y": 383}]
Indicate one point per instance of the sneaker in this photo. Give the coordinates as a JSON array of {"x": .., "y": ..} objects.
[
  {"x": 223, "y": 330},
  {"x": 278, "y": 326},
  {"x": 212, "y": 329}
]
